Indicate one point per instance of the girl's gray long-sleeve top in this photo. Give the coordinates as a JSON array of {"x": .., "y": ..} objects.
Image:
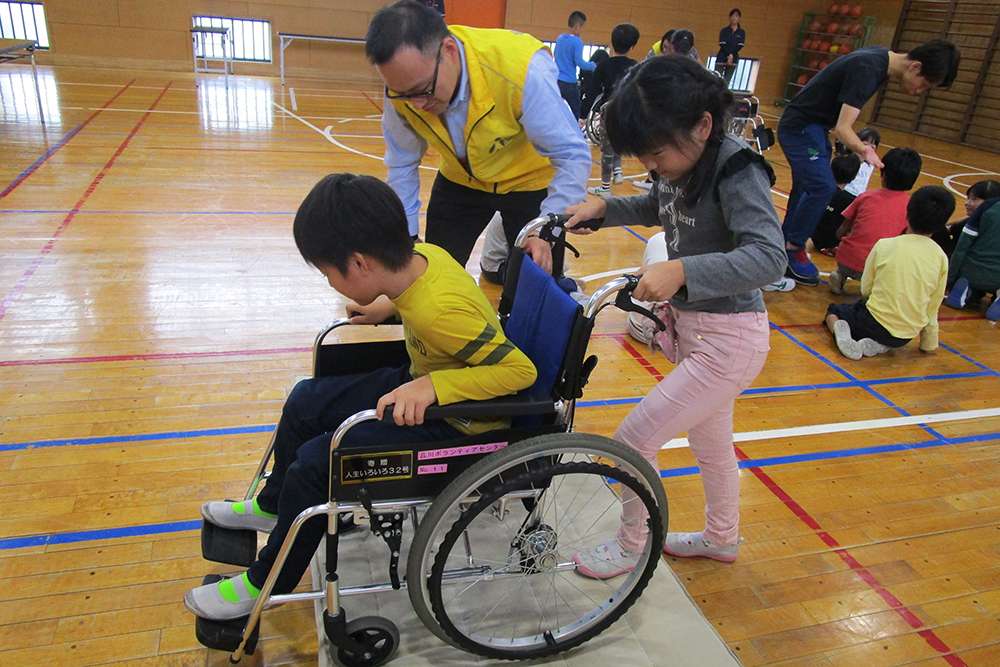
[{"x": 730, "y": 246}]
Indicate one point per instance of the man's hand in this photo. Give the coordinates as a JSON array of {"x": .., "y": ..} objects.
[
  {"x": 410, "y": 399},
  {"x": 870, "y": 155},
  {"x": 729, "y": 59},
  {"x": 659, "y": 281},
  {"x": 540, "y": 251},
  {"x": 376, "y": 312},
  {"x": 587, "y": 210}
]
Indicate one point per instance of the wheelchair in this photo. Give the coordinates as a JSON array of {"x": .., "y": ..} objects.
[
  {"x": 592, "y": 128},
  {"x": 495, "y": 517},
  {"x": 748, "y": 124}
]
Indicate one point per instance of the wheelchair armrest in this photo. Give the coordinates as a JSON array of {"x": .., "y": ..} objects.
[{"x": 504, "y": 406}]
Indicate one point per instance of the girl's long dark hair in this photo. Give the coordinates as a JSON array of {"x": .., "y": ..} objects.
[{"x": 659, "y": 103}]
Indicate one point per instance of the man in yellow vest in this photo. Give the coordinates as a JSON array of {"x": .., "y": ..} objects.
[{"x": 487, "y": 101}]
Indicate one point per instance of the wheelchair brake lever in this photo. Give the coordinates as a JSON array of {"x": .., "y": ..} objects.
[{"x": 624, "y": 302}]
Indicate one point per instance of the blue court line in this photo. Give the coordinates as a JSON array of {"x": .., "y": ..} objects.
[
  {"x": 203, "y": 433},
  {"x": 149, "y": 437},
  {"x": 181, "y": 526},
  {"x": 34, "y": 165},
  {"x": 101, "y": 534},
  {"x": 840, "y": 454}
]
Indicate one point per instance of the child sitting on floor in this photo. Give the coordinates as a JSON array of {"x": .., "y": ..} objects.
[
  {"x": 901, "y": 286},
  {"x": 353, "y": 229},
  {"x": 824, "y": 237},
  {"x": 875, "y": 215},
  {"x": 975, "y": 264}
]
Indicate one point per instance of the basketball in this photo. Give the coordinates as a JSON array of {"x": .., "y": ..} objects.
[
  {"x": 858, "y": 10},
  {"x": 834, "y": 10},
  {"x": 833, "y": 28},
  {"x": 824, "y": 46},
  {"x": 845, "y": 10},
  {"x": 807, "y": 44},
  {"x": 859, "y": 33},
  {"x": 803, "y": 79},
  {"x": 844, "y": 49},
  {"x": 814, "y": 63},
  {"x": 844, "y": 29},
  {"x": 815, "y": 26},
  {"x": 823, "y": 64}
]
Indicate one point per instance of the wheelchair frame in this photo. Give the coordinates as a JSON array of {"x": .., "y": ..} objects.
[{"x": 523, "y": 476}]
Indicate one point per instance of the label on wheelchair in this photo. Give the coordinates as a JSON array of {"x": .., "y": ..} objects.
[{"x": 358, "y": 468}]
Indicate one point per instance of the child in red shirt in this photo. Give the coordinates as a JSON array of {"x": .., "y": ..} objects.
[{"x": 875, "y": 215}]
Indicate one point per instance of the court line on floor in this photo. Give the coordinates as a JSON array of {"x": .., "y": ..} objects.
[
  {"x": 45, "y": 156},
  {"x": 181, "y": 526},
  {"x": 18, "y": 288}
]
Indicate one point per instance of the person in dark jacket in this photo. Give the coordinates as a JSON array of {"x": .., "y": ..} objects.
[{"x": 731, "y": 40}]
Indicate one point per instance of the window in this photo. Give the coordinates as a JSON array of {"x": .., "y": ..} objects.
[
  {"x": 588, "y": 49},
  {"x": 24, "y": 20},
  {"x": 250, "y": 40}
]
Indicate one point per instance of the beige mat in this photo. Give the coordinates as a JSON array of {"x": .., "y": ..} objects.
[{"x": 664, "y": 627}]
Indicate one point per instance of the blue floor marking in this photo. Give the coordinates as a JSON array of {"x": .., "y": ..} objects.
[
  {"x": 114, "y": 439},
  {"x": 181, "y": 526},
  {"x": 24, "y": 174}
]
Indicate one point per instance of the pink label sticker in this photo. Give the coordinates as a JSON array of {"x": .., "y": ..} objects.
[
  {"x": 460, "y": 451},
  {"x": 432, "y": 470}
]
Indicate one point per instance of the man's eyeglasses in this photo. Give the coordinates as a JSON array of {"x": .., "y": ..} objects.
[{"x": 425, "y": 94}]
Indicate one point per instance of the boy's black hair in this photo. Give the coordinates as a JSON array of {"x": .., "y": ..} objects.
[
  {"x": 735, "y": 10},
  {"x": 682, "y": 41},
  {"x": 658, "y": 103},
  {"x": 845, "y": 168},
  {"x": 870, "y": 134},
  {"x": 404, "y": 23},
  {"x": 576, "y": 18},
  {"x": 667, "y": 37},
  {"x": 984, "y": 190},
  {"x": 901, "y": 168},
  {"x": 929, "y": 209},
  {"x": 345, "y": 214},
  {"x": 938, "y": 60},
  {"x": 599, "y": 56},
  {"x": 624, "y": 37}
]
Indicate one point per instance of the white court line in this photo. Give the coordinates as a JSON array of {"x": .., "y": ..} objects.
[
  {"x": 291, "y": 96},
  {"x": 948, "y": 180},
  {"x": 844, "y": 427},
  {"x": 329, "y": 136}
]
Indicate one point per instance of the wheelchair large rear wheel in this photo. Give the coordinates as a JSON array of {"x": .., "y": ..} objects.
[{"x": 493, "y": 557}]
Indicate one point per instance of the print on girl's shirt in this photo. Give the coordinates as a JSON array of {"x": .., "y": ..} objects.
[{"x": 670, "y": 213}]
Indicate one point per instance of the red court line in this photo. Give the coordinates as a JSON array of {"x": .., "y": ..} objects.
[
  {"x": 153, "y": 356},
  {"x": 11, "y": 297},
  {"x": 372, "y": 101},
  {"x": 904, "y": 612},
  {"x": 20, "y": 179}
]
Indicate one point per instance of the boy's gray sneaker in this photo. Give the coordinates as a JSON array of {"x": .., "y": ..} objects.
[
  {"x": 836, "y": 282},
  {"x": 212, "y": 603},
  {"x": 870, "y": 347},
  {"x": 848, "y": 347},
  {"x": 690, "y": 545},
  {"x": 237, "y": 515},
  {"x": 617, "y": 177}
]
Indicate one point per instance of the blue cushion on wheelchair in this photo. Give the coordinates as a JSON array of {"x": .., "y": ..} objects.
[{"x": 540, "y": 323}]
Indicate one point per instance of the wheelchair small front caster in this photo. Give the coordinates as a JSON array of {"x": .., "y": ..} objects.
[{"x": 378, "y": 635}]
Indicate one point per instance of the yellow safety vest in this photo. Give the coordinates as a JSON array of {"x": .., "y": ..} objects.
[{"x": 500, "y": 158}]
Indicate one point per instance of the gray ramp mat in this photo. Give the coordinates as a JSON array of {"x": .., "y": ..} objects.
[{"x": 664, "y": 628}]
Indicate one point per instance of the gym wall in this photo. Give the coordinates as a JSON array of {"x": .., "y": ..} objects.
[{"x": 144, "y": 34}]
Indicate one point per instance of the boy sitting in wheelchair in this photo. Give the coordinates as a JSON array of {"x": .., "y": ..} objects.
[{"x": 354, "y": 230}]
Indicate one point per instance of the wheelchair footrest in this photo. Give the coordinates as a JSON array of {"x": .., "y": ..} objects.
[
  {"x": 229, "y": 546},
  {"x": 224, "y": 635}
]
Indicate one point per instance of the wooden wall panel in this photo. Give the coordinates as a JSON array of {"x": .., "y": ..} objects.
[{"x": 771, "y": 25}]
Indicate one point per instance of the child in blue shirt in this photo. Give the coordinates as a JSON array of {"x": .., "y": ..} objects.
[{"x": 569, "y": 55}]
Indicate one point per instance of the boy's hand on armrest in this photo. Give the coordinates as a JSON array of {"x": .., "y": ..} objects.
[
  {"x": 410, "y": 399},
  {"x": 376, "y": 312}
]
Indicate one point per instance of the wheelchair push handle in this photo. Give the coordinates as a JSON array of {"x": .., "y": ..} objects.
[
  {"x": 551, "y": 228},
  {"x": 623, "y": 286}
]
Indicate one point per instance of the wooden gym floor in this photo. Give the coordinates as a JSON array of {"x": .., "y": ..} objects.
[{"x": 155, "y": 313}]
